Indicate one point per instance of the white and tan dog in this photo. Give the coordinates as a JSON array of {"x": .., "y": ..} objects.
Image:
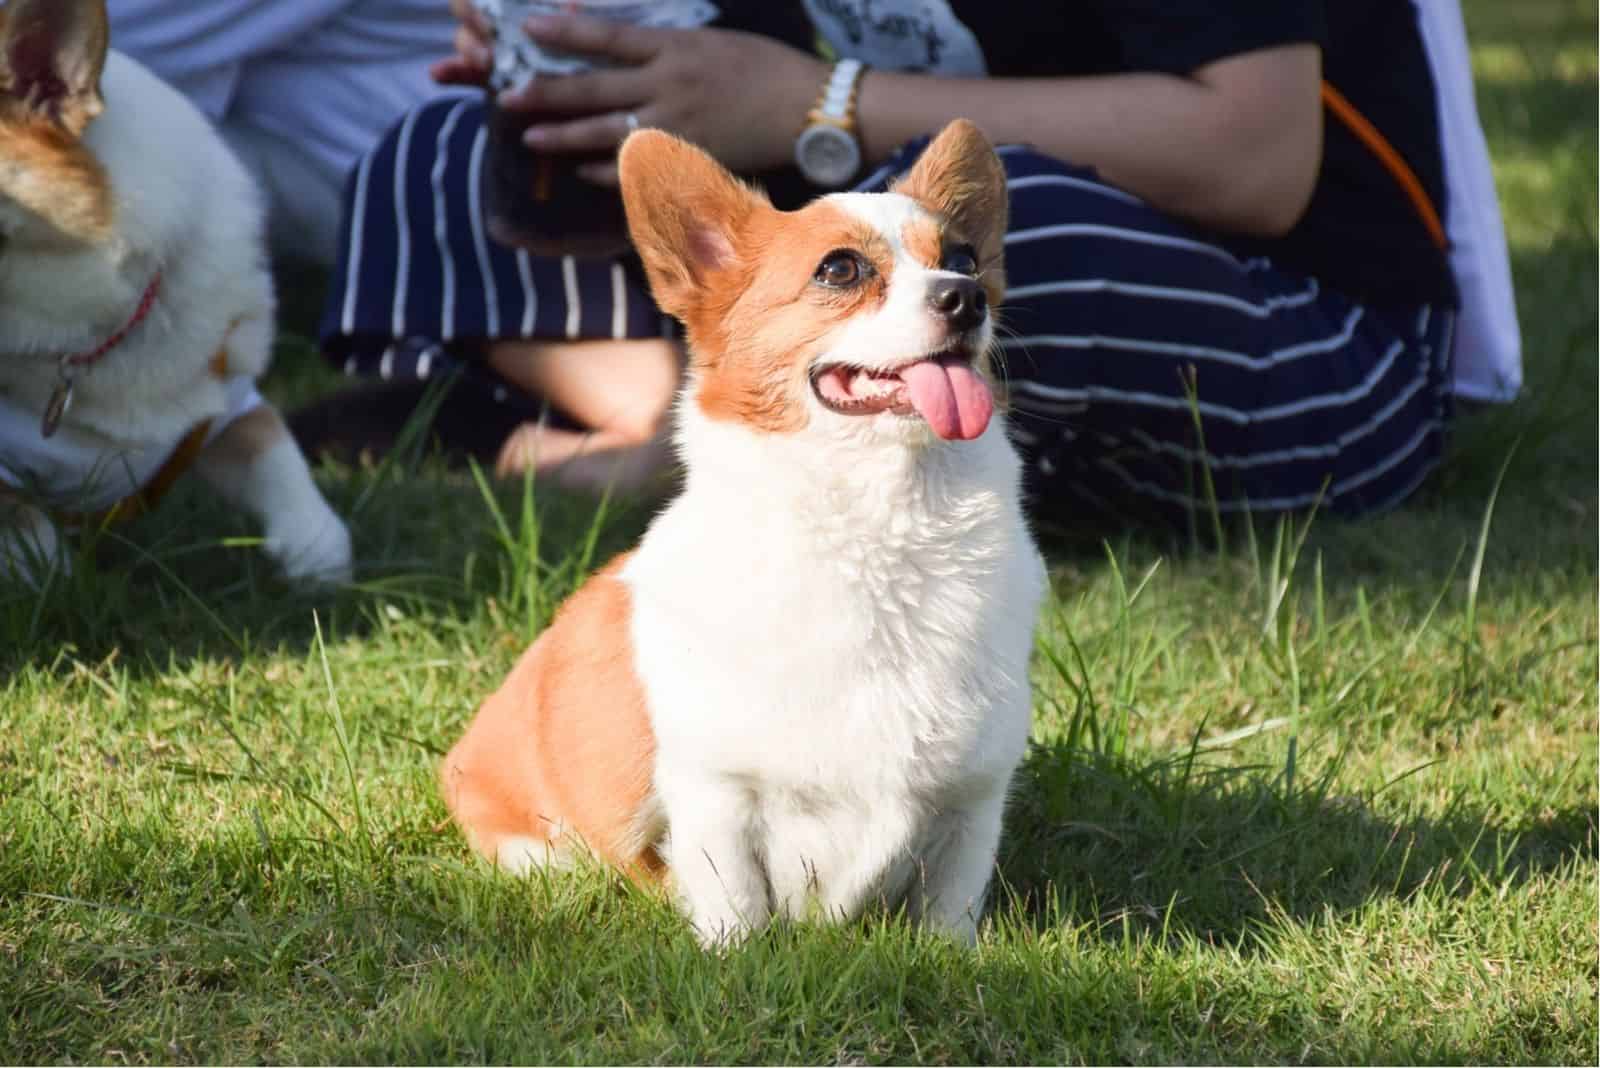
[
  {"x": 807, "y": 690},
  {"x": 136, "y": 305}
]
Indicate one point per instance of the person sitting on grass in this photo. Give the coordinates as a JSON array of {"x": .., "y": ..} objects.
[
  {"x": 1228, "y": 276},
  {"x": 300, "y": 90}
]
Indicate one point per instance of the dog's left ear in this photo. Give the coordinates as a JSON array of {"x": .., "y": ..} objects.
[
  {"x": 52, "y": 53},
  {"x": 959, "y": 177}
]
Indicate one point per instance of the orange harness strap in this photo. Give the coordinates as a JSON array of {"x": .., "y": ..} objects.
[
  {"x": 176, "y": 465},
  {"x": 137, "y": 504},
  {"x": 1392, "y": 161}
]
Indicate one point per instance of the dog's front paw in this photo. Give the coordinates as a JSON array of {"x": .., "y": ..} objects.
[
  {"x": 721, "y": 934},
  {"x": 311, "y": 550},
  {"x": 719, "y": 925},
  {"x": 30, "y": 547}
]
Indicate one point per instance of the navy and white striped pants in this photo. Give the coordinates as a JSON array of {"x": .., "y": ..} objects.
[{"x": 1140, "y": 353}]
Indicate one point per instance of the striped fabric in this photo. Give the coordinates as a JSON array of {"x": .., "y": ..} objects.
[
  {"x": 1138, "y": 351},
  {"x": 1122, "y": 324},
  {"x": 420, "y": 287}
]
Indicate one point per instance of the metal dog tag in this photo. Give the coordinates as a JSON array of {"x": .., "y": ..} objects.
[{"x": 60, "y": 401}]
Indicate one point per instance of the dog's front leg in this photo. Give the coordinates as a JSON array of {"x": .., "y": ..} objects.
[
  {"x": 949, "y": 889},
  {"x": 713, "y": 855},
  {"x": 256, "y": 465},
  {"x": 845, "y": 868},
  {"x": 30, "y": 545}
]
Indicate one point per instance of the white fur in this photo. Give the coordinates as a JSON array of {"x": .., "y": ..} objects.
[
  {"x": 186, "y": 206},
  {"x": 520, "y": 855},
  {"x": 833, "y": 630}
]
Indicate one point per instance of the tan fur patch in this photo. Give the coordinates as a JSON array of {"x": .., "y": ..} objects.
[
  {"x": 54, "y": 177},
  {"x": 959, "y": 178},
  {"x": 924, "y": 242},
  {"x": 219, "y": 361},
  {"x": 753, "y": 355},
  {"x": 52, "y": 54},
  {"x": 565, "y": 745},
  {"x": 248, "y": 436}
]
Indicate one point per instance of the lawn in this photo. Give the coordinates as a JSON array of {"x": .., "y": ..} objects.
[{"x": 1324, "y": 793}]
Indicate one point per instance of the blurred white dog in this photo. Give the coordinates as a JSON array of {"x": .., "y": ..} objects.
[{"x": 136, "y": 305}]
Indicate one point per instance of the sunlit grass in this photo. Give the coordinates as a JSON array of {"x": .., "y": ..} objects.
[{"x": 1327, "y": 793}]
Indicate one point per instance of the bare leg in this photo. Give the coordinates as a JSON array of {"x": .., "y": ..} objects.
[
  {"x": 621, "y": 391},
  {"x": 254, "y": 464}
]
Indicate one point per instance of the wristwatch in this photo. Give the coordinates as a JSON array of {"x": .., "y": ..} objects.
[{"x": 827, "y": 151}]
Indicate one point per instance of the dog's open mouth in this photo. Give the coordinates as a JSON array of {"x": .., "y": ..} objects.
[{"x": 944, "y": 388}]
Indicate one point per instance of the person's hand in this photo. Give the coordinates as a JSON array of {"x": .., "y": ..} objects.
[
  {"x": 741, "y": 97},
  {"x": 473, "y": 59}
]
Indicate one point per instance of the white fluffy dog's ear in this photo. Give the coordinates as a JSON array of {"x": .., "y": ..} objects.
[
  {"x": 686, "y": 216},
  {"x": 52, "y": 53}
]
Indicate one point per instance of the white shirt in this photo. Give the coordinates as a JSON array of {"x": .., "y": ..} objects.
[
  {"x": 1488, "y": 355},
  {"x": 328, "y": 75}
]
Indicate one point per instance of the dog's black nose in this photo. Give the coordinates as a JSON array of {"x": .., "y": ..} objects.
[{"x": 960, "y": 300}]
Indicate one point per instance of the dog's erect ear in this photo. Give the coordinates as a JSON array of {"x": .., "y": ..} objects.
[
  {"x": 52, "y": 53},
  {"x": 686, "y": 215},
  {"x": 959, "y": 177}
]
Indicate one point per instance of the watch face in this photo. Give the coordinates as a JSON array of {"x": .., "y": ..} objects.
[{"x": 827, "y": 156}]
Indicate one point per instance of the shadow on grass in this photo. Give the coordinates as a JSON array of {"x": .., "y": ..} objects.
[
  {"x": 1190, "y": 848},
  {"x": 398, "y": 954},
  {"x": 188, "y": 582}
]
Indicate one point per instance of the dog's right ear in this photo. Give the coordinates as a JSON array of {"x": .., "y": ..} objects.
[
  {"x": 959, "y": 177},
  {"x": 52, "y": 53},
  {"x": 686, "y": 215}
]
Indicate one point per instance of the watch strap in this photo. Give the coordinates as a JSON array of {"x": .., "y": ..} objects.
[{"x": 837, "y": 104}]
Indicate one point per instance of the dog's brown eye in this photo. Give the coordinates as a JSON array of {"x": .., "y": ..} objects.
[
  {"x": 840, "y": 269},
  {"x": 962, "y": 259}
]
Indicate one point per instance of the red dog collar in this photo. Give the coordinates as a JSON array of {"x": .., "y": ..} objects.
[
  {"x": 146, "y": 302},
  {"x": 72, "y": 363}
]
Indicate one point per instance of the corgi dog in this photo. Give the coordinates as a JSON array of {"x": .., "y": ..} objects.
[
  {"x": 136, "y": 305},
  {"x": 806, "y": 691}
]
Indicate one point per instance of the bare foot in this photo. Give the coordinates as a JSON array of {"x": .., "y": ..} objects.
[
  {"x": 593, "y": 462},
  {"x": 621, "y": 389}
]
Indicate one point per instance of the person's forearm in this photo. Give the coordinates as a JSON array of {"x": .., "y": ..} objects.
[{"x": 1240, "y": 160}]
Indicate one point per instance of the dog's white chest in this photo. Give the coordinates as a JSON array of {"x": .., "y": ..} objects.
[{"x": 858, "y": 679}]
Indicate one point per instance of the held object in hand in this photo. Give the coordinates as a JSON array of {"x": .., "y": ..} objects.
[{"x": 538, "y": 201}]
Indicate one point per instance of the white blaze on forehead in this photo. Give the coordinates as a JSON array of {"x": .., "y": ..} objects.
[{"x": 888, "y": 213}]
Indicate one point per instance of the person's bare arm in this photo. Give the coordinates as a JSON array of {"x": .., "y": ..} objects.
[{"x": 1235, "y": 146}]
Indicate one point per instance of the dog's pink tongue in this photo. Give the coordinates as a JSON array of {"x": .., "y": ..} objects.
[{"x": 951, "y": 396}]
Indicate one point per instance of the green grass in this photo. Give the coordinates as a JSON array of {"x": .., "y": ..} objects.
[{"x": 1320, "y": 800}]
